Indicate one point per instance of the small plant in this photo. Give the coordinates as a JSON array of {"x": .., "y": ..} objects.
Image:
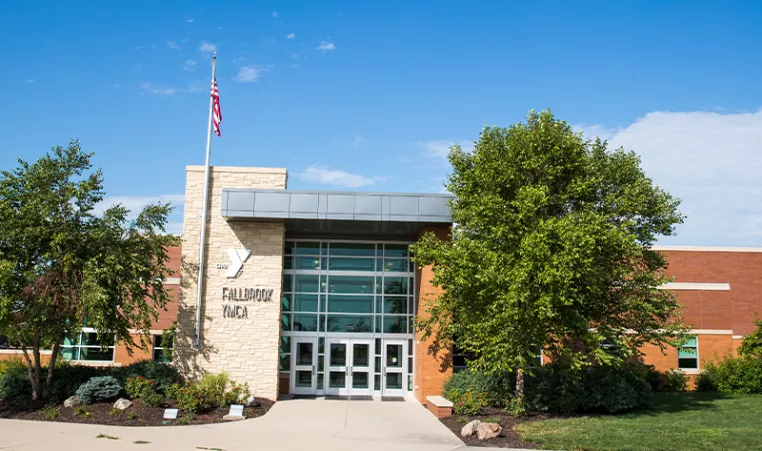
[
  {"x": 190, "y": 416},
  {"x": 152, "y": 398},
  {"x": 110, "y": 437},
  {"x": 237, "y": 393},
  {"x": 468, "y": 402},
  {"x": 114, "y": 412},
  {"x": 132, "y": 415},
  {"x": 51, "y": 412},
  {"x": 182, "y": 421},
  {"x": 136, "y": 387},
  {"x": 187, "y": 398},
  {"x": 81, "y": 412},
  {"x": 141, "y": 442},
  {"x": 516, "y": 408},
  {"x": 97, "y": 389}
]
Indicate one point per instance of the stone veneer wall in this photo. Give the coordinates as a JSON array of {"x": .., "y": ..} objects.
[{"x": 246, "y": 348}]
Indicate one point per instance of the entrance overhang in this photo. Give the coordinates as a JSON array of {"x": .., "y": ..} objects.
[{"x": 339, "y": 214}]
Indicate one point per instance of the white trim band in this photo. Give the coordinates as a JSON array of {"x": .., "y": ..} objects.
[
  {"x": 710, "y": 332},
  {"x": 695, "y": 286},
  {"x": 172, "y": 281},
  {"x": 706, "y": 249},
  {"x": 738, "y": 337}
]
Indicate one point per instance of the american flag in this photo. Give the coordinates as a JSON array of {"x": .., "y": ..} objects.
[{"x": 217, "y": 113}]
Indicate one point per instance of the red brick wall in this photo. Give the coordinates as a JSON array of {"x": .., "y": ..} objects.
[{"x": 431, "y": 369}]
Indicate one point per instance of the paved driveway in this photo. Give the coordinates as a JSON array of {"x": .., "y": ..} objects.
[{"x": 300, "y": 424}]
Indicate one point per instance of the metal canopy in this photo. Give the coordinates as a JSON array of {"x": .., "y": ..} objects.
[{"x": 323, "y": 213}]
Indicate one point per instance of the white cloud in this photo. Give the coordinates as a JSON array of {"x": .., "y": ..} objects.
[
  {"x": 440, "y": 148},
  {"x": 136, "y": 203},
  {"x": 290, "y": 36},
  {"x": 30, "y": 81},
  {"x": 188, "y": 20},
  {"x": 326, "y": 46},
  {"x": 198, "y": 86},
  {"x": 324, "y": 175},
  {"x": 248, "y": 74},
  {"x": 711, "y": 161},
  {"x": 356, "y": 142},
  {"x": 189, "y": 65},
  {"x": 207, "y": 47},
  {"x": 275, "y": 13},
  {"x": 173, "y": 45},
  {"x": 158, "y": 90}
]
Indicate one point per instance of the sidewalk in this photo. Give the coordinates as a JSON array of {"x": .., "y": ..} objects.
[{"x": 290, "y": 425}]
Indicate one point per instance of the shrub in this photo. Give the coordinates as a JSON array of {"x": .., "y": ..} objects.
[
  {"x": 80, "y": 411},
  {"x": 212, "y": 389},
  {"x": 467, "y": 403},
  {"x": 668, "y": 381},
  {"x": 187, "y": 398},
  {"x": 498, "y": 386},
  {"x": 152, "y": 398},
  {"x": 98, "y": 389},
  {"x": 68, "y": 378},
  {"x": 15, "y": 387},
  {"x": 237, "y": 394},
  {"x": 132, "y": 415},
  {"x": 137, "y": 386},
  {"x": 162, "y": 374},
  {"x": 742, "y": 375}
]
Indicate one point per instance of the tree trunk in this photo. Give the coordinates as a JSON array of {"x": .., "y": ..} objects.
[
  {"x": 52, "y": 364},
  {"x": 37, "y": 384},
  {"x": 36, "y": 389},
  {"x": 519, "y": 393}
]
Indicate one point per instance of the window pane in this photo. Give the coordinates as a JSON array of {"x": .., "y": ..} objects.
[
  {"x": 305, "y": 322},
  {"x": 396, "y": 305},
  {"x": 395, "y": 285},
  {"x": 285, "y": 362},
  {"x": 350, "y": 304},
  {"x": 307, "y": 263},
  {"x": 346, "y": 323},
  {"x": 288, "y": 262},
  {"x": 395, "y": 265},
  {"x": 303, "y": 354},
  {"x": 285, "y": 302},
  {"x": 353, "y": 249},
  {"x": 307, "y": 284},
  {"x": 91, "y": 339},
  {"x": 395, "y": 324},
  {"x": 350, "y": 284},
  {"x": 351, "y": 264},
  {"x": 96, "y": 354},
  {"x": 307, "y": 248},
  {"x": 396, "y": 250},
  {"x": 69, "y": 353},
  {"x": 690, "y": 342},
  {"x": 305, "y": 303},
  {"x": 288, "y": 283},
  {"x": 687, "y": 352},
  {"x": 289, "y": 248},
  {"x": 71, "y": 341},
  {"x": 338, "y": 354},
  {"x": 687, "y": 364},
  {"x": 156, "y": 341},
  {"x": 285, "y": 322},
  {"x": 285, "y": 345},
  {"x": 158, "y": 356}
]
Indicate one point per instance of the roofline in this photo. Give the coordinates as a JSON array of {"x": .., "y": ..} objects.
[
  {"x": 706, "y": 249},
  {"x": 347, "y": 193}
]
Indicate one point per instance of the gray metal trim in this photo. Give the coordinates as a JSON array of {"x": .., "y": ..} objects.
[{"x": 248, "y": 203}]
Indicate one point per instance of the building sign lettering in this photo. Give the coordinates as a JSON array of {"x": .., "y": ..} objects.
[{"x": 237, "y": 296}]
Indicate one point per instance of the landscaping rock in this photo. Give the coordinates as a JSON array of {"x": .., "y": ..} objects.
[
  {"x": 486, "y": 431},
  {"x": 72, "y": 401},
  {"x": 122, "y": 404},
  {"x": 469, "y": 429},
  {"x": 252, "y": 402}
]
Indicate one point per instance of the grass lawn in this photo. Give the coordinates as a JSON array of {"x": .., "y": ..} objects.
[{"x": 678, "y": 421}]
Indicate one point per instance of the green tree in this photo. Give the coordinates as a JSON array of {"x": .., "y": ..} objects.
[
  {"x": 550, "y": 248},
  {"x": 752, "y": 344},
  {"x": 62, "y": 266}
]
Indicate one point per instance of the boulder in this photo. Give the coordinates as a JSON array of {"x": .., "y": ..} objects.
[
  {"x": 469, "y": 429},
  {"x": 252, "y": 402},
  {"x": 122, "y": 404},
  {"x": 72, "y": 401},
  {"x": 486, "y": 431}
]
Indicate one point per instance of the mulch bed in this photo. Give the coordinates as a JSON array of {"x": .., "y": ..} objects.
[
  {"x": 137, "y": 415},
  {"x": 507, "y": 438}
]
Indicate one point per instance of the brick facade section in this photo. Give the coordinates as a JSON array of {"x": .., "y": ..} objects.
[
  {"x": 245, "y": 348},
  {"x": 432, "y": 368}
]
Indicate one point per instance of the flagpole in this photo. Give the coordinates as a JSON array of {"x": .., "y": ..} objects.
[{"x": 200, "y": 284}]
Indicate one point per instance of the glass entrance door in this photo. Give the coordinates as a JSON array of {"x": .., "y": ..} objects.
[
  {"x": 349, "y": 367},
  {"x": 393, "y": 376},
  {"x": 303, "y": 375}
]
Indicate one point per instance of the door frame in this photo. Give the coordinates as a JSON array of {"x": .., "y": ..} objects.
[
  {"x": 402, "y": 370},
  {"x": 347, "y": 369},
  {"x": 296, "y": 367}
]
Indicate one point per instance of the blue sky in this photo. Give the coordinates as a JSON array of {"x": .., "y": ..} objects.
[{"x": 368, "y": 96}]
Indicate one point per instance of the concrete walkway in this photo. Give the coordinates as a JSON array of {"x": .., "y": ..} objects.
[{"x": 299, "y": 424}]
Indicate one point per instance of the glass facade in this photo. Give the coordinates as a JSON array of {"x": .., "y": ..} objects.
[{"x": 350, "y": 297}]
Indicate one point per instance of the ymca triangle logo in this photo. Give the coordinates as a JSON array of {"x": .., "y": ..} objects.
[{"x": 237, "y": 257}]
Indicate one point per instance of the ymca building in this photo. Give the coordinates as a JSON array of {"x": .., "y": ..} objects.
[{"x": 314, "y": 292}]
